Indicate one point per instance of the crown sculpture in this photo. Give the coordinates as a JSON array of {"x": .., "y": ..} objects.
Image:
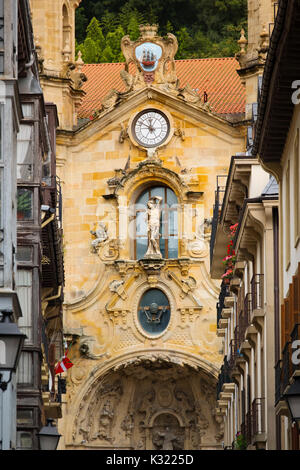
[{"x": 150, "y": 63}]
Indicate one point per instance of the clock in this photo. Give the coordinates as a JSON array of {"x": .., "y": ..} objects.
[{"x": 151, "y": 128}]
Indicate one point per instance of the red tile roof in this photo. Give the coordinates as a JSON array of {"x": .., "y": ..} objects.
[{"x": 217, "y": 77}]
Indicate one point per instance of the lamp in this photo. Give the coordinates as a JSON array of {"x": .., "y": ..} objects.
[
  {"x": 11, "y": 343},
  {"x": 292, "y": 397},
  {"x": 49, "y": 436}
]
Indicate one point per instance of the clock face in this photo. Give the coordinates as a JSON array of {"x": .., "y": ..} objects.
[{"x": 151, "y": 128}]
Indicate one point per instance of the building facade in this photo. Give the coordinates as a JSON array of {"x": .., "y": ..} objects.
[
  {"x": 280, "y": 121},
  {"x": 259, "y": 318},
  {"x": 10, "y": 115},
  {"x": 139, "y": 307},
  {"x": 31, "y": 268},
  {"x": 247, "y": 233}
]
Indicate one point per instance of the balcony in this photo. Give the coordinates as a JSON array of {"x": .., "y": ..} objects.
[
  {"x": 290, "y": 335},
  {"x": 244, "y": 318},
  {"x": 257, "y": 286},
  {"x": 219, "y": 195},
  {"x": 250, "y": 308},
  {"x": 258, "y": 421},
  {"x": 224, "y": 377},
  {"x": 221, "y": 302},
  {"x": 253, "y": 428},
  {"x": 234, "y": 349}
]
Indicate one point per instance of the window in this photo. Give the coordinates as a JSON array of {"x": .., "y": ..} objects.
[
  {"x": 25, "y": 369},
  {"x": 25, "y": 153},
  {"x": 24, "y": 204},
  {"x": 154, "y": 312},
  {"x": 24, "y": 440},
  {"x": 24, "y": 290},
  {"x": 169, "y": 222},
  {"x": 24, "y": 254},
  {"x": 24, "y": 417}
]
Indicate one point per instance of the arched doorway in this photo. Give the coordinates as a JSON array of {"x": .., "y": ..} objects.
[{"x": 149, "y": 405}]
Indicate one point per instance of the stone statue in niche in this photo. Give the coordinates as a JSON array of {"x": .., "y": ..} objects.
[
  {"x": 168, "y": 438},
  {"x": 106, "y": 417},
  {"x": 128, "y": 425},
  {"x": 166, "y": 433},
  {"x": 100, "y": 235},
  {"x": 153, "y": 214}
]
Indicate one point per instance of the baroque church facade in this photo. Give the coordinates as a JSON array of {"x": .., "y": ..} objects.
[{"x": 139, "y": 147}]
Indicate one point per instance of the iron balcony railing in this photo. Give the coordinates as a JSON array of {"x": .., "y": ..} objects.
[
  {"x": 224, "y": 377},
  {"x": 221, "y": 302},
  {"x": 257, "y": 286},
  {"x": 289, "y": 364},
  {"x": 278, "y": 382},
  {"x": 286, "y": 372},
  {"x": 244, "y": 318},
  {"x": 219, "y": 195},
  {"x": 295, "y": 337},
  {"x": 234, "y": 349},
  {"x": 254, "y": 421}
]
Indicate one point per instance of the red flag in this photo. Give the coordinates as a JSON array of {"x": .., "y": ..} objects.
[{"x": 63, "y": 365}]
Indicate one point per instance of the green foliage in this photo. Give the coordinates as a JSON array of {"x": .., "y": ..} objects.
[
  {"x": 240, "y": 442},
  {"x": 204, "y": 28}
]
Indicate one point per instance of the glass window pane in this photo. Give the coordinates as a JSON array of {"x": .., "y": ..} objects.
[
  {"x": 24, "y": 253},
  {"x": 24, "y": 417},
  {"x": 24, "y": 204},
  {"x": 158, "y": 191},
  {"x": 173, "y": 247},
  {"x": 141, "y": 223},
  {"x": 24, "y": 290},
  {"x": 143, "y": 199},
  {"x": 27, "y": 109},
  {"x": 25, "y": 369},
  {"x": 25, "y": 153},
  {"x": 141, "y": 247},
  {"x": 162, "y": 247},
  {"x": 173, "y": 222},
  {"x": 171, "y": 197},
  {"x": 24, "y": 440}
]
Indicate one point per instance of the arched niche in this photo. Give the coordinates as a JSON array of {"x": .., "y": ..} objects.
[
  {"x": 66, "y": 32},
  {"x": 168, "y": 242},
  {"x": 127, "y": 406}
]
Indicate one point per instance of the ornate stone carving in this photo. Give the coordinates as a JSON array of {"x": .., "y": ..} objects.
[
  {"x": 100, "y": 235},
  {"x": 153, "y": 57},
  {"x": 128, "y": 425},
  {"x": 118, "y": 287}
]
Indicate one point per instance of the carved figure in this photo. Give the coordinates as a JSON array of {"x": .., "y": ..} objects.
[
  {"x": 153, "y": 213},
  {"x": 168, "y": 438},
  {"x": 101, "y": 236}
]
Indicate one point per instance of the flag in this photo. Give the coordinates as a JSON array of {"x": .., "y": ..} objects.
[{"x": 63, "y": 365}]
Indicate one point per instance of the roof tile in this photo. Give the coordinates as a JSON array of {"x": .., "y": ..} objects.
[{"x": 216, "y": 76}]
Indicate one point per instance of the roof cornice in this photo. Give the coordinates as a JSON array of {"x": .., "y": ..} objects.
[{"x": 148, "y": 95}]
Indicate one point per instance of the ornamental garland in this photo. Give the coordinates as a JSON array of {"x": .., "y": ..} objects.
[{"x": 230, "y": 259}]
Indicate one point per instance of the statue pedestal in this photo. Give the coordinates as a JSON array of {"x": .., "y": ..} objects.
[{"x": 152, "y": 256}]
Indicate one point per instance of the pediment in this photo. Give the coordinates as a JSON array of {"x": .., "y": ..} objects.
[{"x": 122, "y": 109}]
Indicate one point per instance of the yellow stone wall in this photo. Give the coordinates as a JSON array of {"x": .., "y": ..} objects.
[
  {"x": 105, "y": 319},
  {"x": 103, "y": 287}
]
